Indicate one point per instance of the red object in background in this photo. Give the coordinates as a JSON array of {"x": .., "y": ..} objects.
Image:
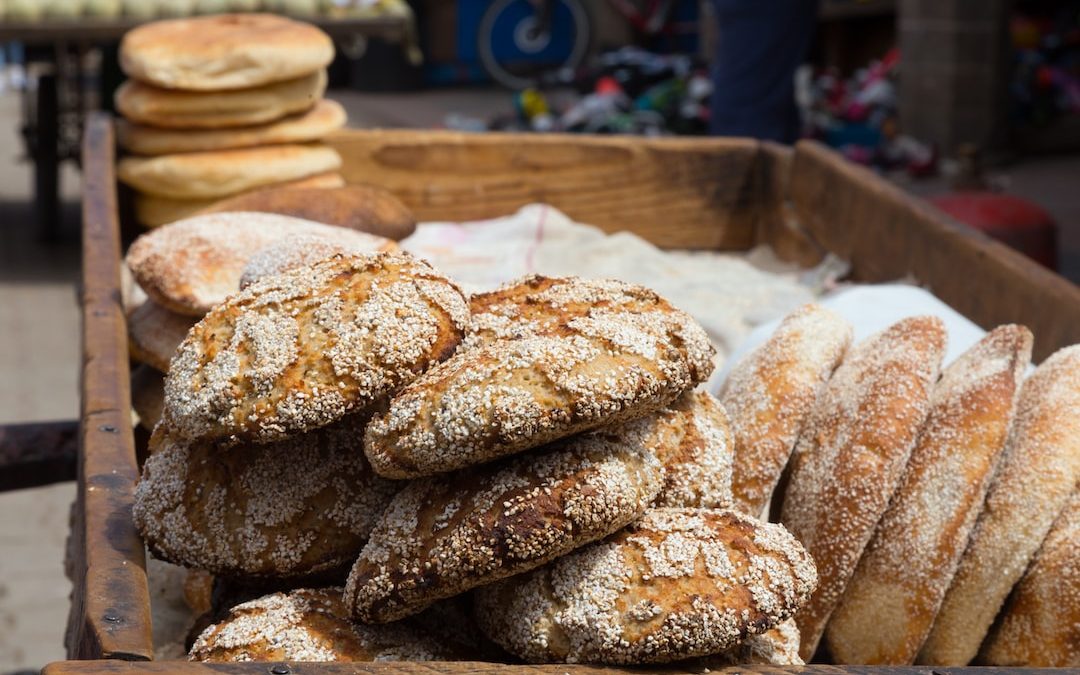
[{"x": 1013, "y": 221}]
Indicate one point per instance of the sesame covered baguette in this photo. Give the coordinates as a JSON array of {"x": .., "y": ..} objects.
[
  {"x": 1037, "y": 475},
  {"x": 890, "y": 602},
  {"x": 692, "y": 440},
  {"x": 154, "y": 333},
  {"x": 300, "y": 350},
  {"x": 852, "y": 453},
  {"x": 676, "y": 584}
]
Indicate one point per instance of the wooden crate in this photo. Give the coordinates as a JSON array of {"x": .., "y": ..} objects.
[{"x": 678, "y": 193}]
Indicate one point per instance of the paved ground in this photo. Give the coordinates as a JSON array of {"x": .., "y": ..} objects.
[{"x": 39, "y": 346}]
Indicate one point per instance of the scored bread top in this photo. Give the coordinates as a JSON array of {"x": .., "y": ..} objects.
[
  {"x": 302, "y": 349},
  {"x": 692, "y": 440},
  {"x": 1037, "y": 474},
  {"x": 676, "y": 584},
  {"x": 443, "y": 535},
  {"x": 890, "y": 602},
  {"x": 567, "y": 359}
]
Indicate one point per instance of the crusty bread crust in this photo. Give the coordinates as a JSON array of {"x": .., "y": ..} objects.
[
  {"x": 279, "y": 510},
  {"x": 302, "y": 349},
  {"x": 304, "y": 249},
  {"x": 1037, "y": 475},
  {"x": 775, "y": 647},
  {"x": 676, "y": 584},
  {"x": 223, "y": 51},
  {"x": 891, "y": 599},
  {"x": 552, "y": 358},
  {"x": 692, "y": 440},
  {"x": 147, "y": 395},
  {"x": 443, "y": 535},
  {"x": 154, "y": 333},
  {"x": 852, "y": 453},
  {"x": 1040, "y": 626},
  {"x": 769, "y": 394}
]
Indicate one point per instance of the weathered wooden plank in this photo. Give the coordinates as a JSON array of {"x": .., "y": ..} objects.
[
  {"x": 677, "y": 193},
  {"x": 110, "y": 613},
  {"x": 778, "y": 224},
  {"x": 36, "y": 454}
]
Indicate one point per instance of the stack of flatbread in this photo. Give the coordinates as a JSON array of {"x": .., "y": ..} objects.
[{"x": 221, "y": 105}]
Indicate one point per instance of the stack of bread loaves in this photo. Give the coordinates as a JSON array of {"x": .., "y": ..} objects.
[{"x": 220, "y": 105}]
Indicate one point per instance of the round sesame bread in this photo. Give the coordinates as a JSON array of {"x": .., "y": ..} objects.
[
  {"x": 1040, "y": 625},
  {"x": 192, "y": 265},
  {"x": 154, "y": 211},
  {"x": 603, "y": 363},
  {"x": 302, "y": 349},
  {"x": 890, "y": 602},
  {"x": 775, "y": 647},
  {"x": 309, "y": 125},
  {"x": 676, "y": 584},
  {"x": 288, "y": 509},
  {"x": 311, "y": 625},
  {"x": 303, "y": 249},
  {"x": 852, "y": 453},
  {"x": 223, "y": 51},
  {"x": 223, "y": 173},
  {"x": 1037, "y": 474},
  {"x": 692, "y": 440},
  {"x": 769, "y": 394},
  {"x": 171, "y": 113},
  {"x": 443, "y": 535},
  {"x": 147, "y": 395},
  {"x": 154, "y": 333},
  {"x": 360, "y": 207}
]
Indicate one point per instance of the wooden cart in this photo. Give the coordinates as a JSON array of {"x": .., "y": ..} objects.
[{"x": 679, "y": 193}]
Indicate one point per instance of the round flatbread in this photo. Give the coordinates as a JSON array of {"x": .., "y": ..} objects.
[
  {"x": 154, "y": 333},
  {"x": 305, "y": 249},
  {"x": 147, "y": 395}
]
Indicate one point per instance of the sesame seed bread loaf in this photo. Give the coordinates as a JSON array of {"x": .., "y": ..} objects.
[
  {"x": 154, "y": 333},
  {"x": 1038, "y": 473},
  {"x": 692, "y": 440},
  {"x": 769, "y": 394},
  {"x": 852, "y": 453},
  {"x": 147, "y": 395},
  {"x": 582, "y": 360},
  {"x": 890, "y": 601},
  {"x": 310, "y": 625},
  {"x": 303, "y": 349},
  {"x": 676, "y": 584},
  {"x": 288, "y": 509},
  {"x": 775, "y": 647},
  {"x": 1040, "y": 626},
  {"x": 303, "y": 249},
  {"x": 443, "y": 535}
]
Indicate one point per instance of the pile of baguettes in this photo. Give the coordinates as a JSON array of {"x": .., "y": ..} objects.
[
  {"x": 221, "y": 105},
  {"x": 389, "y": 469}
]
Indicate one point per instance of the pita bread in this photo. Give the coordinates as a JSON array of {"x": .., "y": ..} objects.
[
  {"x": 147, "y": 104},
  {"x": 224, "y": 51},
  {"x": 324, "y": 117}
]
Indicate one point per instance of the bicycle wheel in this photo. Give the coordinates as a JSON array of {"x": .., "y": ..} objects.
[{"x": 514, "y": 51}]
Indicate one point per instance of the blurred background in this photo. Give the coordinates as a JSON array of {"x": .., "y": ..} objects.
[{"x": 974, "y": 105}]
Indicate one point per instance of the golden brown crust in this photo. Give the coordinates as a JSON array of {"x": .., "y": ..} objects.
[
  {"x": 852, "y": 453},
  {"x": 301, "y": 127},
  {"x": 359, "y": 207},
  {"x": 769, "y": 394},
  {"x": 223, "y": 51},
  {"x": 775, "y": 647},
  {"x": 302, "y": 349},
  {"x": 288, "y": 509},
  {"x": 311, "y": 625},
  {"x": 556, "y": 357},
  {"x": 692, "y": 440},
  {"x": 1038, "y": 473},
  {"x": 172, "y": 112},
  {"x": 443, "y": 535},
  {"x": 154, "y": 333},
  {"x": 147, "y": 395},
  {"x": 676, "y": 584},
  {"x": 1040, "y": 626},
  {"x": 890, "y": 601},
  {"x": 304, "y": 249},
  {"x": 192, "y": 265}
]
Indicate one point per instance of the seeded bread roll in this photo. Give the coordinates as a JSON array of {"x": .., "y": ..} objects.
[
  {"x": 692, "y": 440},
  {"x": 147, "y": 395},
  {"x": 775, "y": 647},
  {"x": 303, "y": 349},
  {"x": 1038, "y": 473},
  {"x": 890, "y": 601},
  {"x": 288, "y": 509},
  {"x": 769, "y": 394},
  {"x": 154, "y": 333},
  {"x": 1040, "y": 626},
  {"x": 443, "y": 535},
  {"x": 676, "y": 584},
  {"x": 311, "y": 625},
  {"x": 590, "y": 354},
  {"x": 852, "y": 453},
  {"x": 305, "y": 249}
]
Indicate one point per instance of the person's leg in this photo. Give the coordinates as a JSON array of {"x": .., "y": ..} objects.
[{"x": 760, "y": 43}]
